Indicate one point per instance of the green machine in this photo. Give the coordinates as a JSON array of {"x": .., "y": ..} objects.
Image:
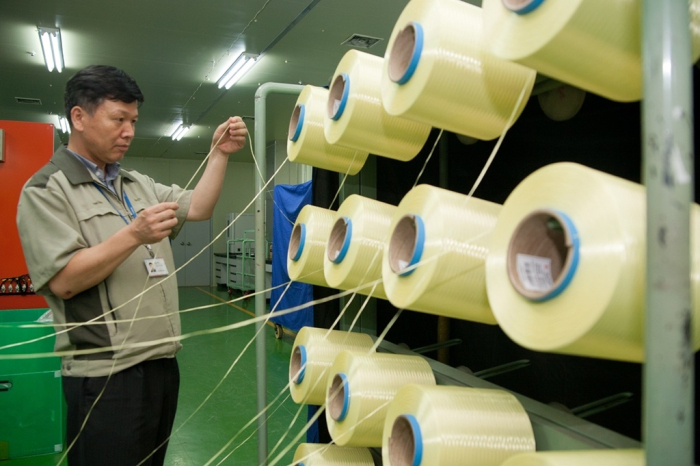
[{"x": 31, "y": 398}]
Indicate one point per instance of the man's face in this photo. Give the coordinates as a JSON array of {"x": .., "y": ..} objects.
[{"x": 108, "y": 132}]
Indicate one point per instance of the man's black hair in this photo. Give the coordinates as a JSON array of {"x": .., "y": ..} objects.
[{"x": 94, "y": 84}]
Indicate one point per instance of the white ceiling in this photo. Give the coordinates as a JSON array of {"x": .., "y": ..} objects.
[{"x": 176, "y": 50}]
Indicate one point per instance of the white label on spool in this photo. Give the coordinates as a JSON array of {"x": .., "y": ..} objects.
[{"x": 535, "y": 272}]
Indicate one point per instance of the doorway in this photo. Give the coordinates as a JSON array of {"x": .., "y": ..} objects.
[{"x": 193, "y": 237}]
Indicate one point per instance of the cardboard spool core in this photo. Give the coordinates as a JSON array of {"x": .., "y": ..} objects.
[
  {"x": 337, "y": 239},
  {"x": 294, "y": 122},
  {"x": 335, "y": 96},
  {"x": 295, "y": 241},
  {"x": 402, "y": 445},
  {"x": 402, "y": 53},
  {"x": 295, "y": 365},
  {"x": 336, "y": 398},
  {"x": 542, "y": 233},
  {"x": 402, "y": 245}
]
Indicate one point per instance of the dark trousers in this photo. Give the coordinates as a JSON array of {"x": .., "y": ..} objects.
[{"x": 132, "y": 418}]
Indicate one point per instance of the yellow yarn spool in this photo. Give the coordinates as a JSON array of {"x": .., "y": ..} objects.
[
  {"x": 356, "y": 244},
  {"x": 356, "y": 118},
  {"x": 307, "y": 245},
  {"x": 306, "y": 142},
  {"x": 315, "y": 454},
  {"x": 451, "y": 426},
  {"x": 313, "y": 353},
  {"x": 591, "y": 44},
  {"x": 566, "y": 272},
  {"x": 435, "y": 259},
  {"x": 579, "y": 458},
  {"x": 437, "y": 71},
  {"x": 360, "y": 388}
]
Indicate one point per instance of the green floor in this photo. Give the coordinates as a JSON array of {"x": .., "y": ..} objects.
[{"x": 204, "y": 362}]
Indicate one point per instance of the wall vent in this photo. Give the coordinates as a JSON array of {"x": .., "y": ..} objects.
[
  {"x": 27, "y": 101},
  {"x": 360, "y": 41}
]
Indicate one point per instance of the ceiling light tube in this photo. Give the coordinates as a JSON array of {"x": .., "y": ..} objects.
[
  {"x": 179, "y": 132},
  {"x": 56, "y": 49},
  {"x": 46, "y": 49},
  {"x": 240, "y": 66},
  {"x": 184, "y": 131},
  {"x": 52, "y": 48},
  {"x": 63, "y": 123}
]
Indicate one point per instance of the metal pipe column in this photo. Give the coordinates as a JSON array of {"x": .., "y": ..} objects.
[
  {"x": 260, "y": 150},
  {"x": 667, "y": 141}
]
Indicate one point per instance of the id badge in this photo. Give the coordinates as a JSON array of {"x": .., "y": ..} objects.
[{"x": 156, "y": 267}]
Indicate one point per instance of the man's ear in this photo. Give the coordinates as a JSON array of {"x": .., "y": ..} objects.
[{"x": 77, "y": 114}]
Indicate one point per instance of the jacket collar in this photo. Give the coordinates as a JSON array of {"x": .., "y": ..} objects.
[{"x": 75, "y": 171}]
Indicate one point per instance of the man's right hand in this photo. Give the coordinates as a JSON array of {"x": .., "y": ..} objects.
[{"x": 154, "y": 223}]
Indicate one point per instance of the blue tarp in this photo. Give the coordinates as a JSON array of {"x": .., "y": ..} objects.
[{"x": 288, "y": 202}]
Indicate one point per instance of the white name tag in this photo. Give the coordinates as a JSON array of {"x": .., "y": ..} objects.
[{"x": 156, "y": 267}]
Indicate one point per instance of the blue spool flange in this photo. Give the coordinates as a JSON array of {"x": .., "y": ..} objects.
[
  {"x": 346, "y": 241},
  {"x": 300, "y": 123},
  {"x": 302, "y": 241}
]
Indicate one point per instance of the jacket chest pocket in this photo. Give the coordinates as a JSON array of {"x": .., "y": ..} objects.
[
  {"x": 98, "y": 220},
  {"x": 140, "y": 203},
  {"x": 96, "y": 208}
]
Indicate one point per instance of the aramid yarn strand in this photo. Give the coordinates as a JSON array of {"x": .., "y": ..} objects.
[{"x": 314, "y": 454}]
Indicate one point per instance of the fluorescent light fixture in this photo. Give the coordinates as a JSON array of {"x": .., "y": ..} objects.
[
  {"x": 179, "y": 132},
  {"x": 240, "y": 66},
  {"x": 52, "y": 48},
  {"x": 63, "y": 124}
]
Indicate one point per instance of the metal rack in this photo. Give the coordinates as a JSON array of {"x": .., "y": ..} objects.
[
  {"x": 667, "y": 155},
  {"x": 246, "y": 275},
  {"x": 667, "y": 146}
]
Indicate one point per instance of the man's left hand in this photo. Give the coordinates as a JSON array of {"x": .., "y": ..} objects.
[{"x": 234, "y": 133}]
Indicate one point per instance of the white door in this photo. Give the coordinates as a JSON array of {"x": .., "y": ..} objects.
[{"x": 193, "y": 237}]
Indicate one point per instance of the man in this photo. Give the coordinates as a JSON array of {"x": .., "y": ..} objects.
[{"x": 89, "y": 231}]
